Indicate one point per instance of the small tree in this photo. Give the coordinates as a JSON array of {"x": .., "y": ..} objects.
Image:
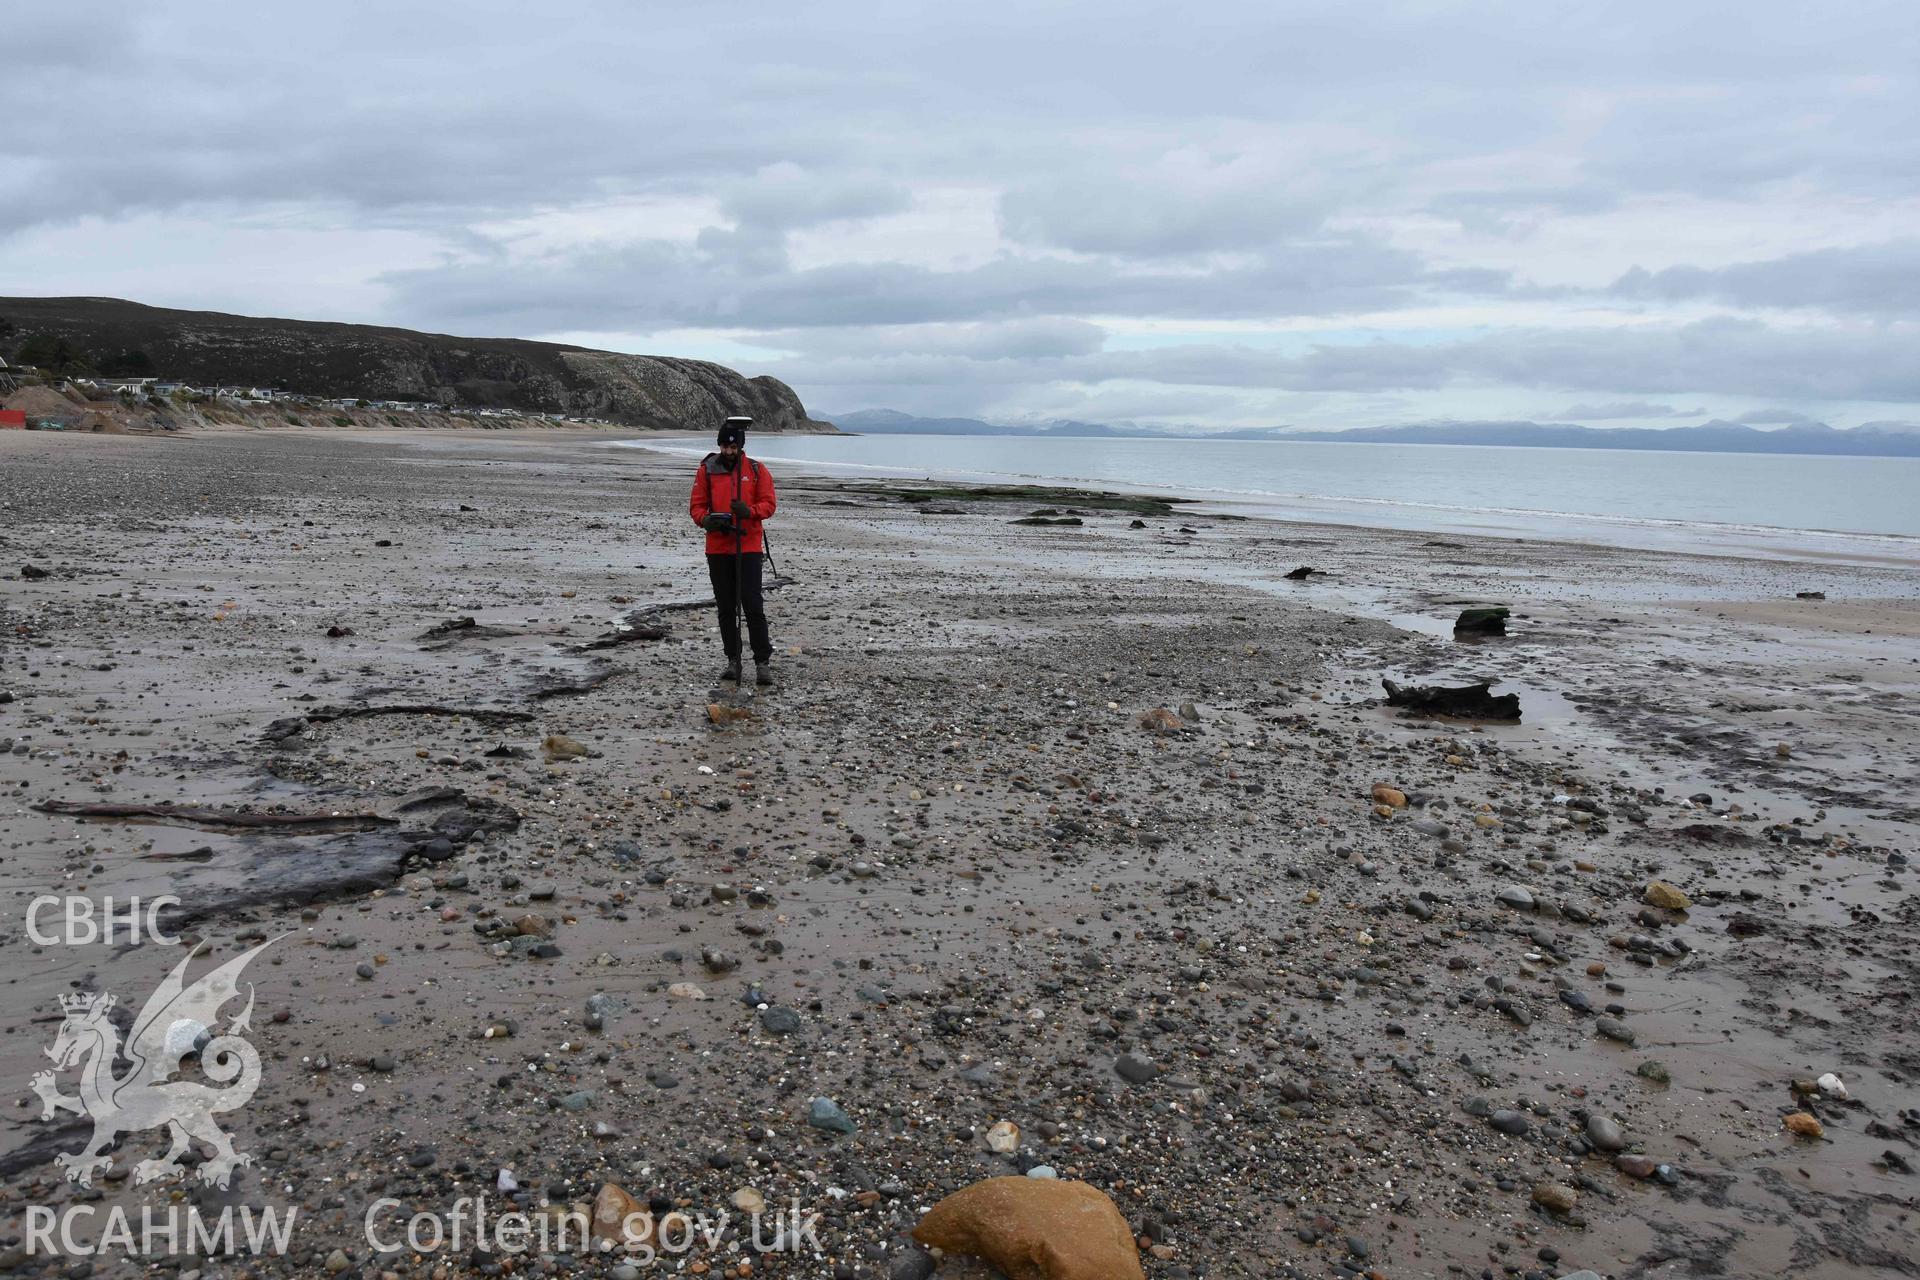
[
  {"x": 128, "y": 364},
  {"x": 45, "y": 351}
]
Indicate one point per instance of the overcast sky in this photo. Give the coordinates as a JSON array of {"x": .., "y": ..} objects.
[{"x": 1225, "y": 214}]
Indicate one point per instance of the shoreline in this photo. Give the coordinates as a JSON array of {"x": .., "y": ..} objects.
[
  {"x": 948, "y": 848},
  {"x": 1621, "y": 532}
]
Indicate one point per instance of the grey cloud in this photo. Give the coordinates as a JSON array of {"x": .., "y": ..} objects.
[
  {"x": 1868, "y": 279},
  {"x": 787, "y": 196},
  {"x": 458, "y": 110},
  {"x": 1171, "y": 205},
  {"x": 1721, "y": 356},
  {"x": 1040, "y": 337},
  {"x": 637, "y": 287}
]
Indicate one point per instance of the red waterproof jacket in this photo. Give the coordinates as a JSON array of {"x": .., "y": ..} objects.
[{"x": 715, "y": 490}]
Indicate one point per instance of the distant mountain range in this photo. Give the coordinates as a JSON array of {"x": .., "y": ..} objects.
[{"x": 1873, "y": 439}]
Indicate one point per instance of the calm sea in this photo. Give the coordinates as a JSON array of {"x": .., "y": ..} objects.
[{"x": 1753, "y": 504}]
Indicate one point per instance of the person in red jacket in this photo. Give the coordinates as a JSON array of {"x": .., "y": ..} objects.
[{"x": 732, "y": 499}]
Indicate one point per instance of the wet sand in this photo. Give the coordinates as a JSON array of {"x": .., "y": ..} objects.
[{"x": 1290, "y": 1033}]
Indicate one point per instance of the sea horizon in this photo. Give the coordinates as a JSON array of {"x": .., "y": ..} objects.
[{"x": 1784, "y": 505}]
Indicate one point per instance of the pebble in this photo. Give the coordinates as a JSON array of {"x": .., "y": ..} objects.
[
  {"x": 825, "y": 1113},
  {"x": 780, "y": 1020},
  {"x": 1805, "y": 1125},
  {"x": 1667, "y": 897},
  {"x": 1605, "y": 1134},
  {"x": 1614, "y": 1030},
  {"x": 1556, "y": 1196},
  {"x": 1633, "y": 1166},
  {"x": 1509, "y": 1122},
  {"x": 914, "y": 1264},
  {"x": 1515, "y": 896}
]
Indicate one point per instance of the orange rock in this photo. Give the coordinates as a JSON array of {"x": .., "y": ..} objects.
[
  {"x": 1394, "y": 796},
  {"x": 1805, "y": 1125},
  {"x": 1035, "y": 1229},
  {"x": 720, "y": 713},
  {"x": 1161, "y": 720},
  {"x": 620, "y": 1219}
]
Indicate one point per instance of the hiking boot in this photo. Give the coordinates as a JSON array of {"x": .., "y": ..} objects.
[
  {"x": 733, "y": 670},
  {"x": 763, "y": 673}
]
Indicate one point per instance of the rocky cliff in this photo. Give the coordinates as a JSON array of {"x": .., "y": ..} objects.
[{"x": 321, "y": 358}]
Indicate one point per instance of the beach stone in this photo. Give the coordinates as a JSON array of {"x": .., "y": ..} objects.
[
  {"x": 825, "y": 1113},
  {"x": 780, "y": 1020},
  {"x": 559, "y": 746},
  {"x": 1613, "y": 1029},
  {"x": 1507, "y": 1121},
  {"x": 1134, "y": 1069},
  {"x": 1161, "y": 720},
  {"x": 619, "y": 1219},
  {"x": 1605, "y": 1134},
  {"x": 1663, "y": 895},
  {"x": 1556, "y": 1196},
  {"x": 1641, "y": 1167},
  {"x": 1515, "y": 896},
  {"x": 1035, "y": 1229},
  {"x": 913, "y": 1264},
  {"x": 1804, "y": 1125}
]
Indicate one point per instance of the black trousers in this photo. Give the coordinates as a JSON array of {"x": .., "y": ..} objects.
[{"x": 720, "y": 569}]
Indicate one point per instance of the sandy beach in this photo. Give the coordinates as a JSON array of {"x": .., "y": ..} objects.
[{"x": 1103, "y": 830}]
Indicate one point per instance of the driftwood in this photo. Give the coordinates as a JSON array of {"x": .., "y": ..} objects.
[
  {"x": 1714, "y": 833},
  {"x": 442, "y": 634},
  {"x": 635, "y": 626},
  {"x": 232, "y": 819},
  {"x": 1472, "y": 702},
  {"x": 1304, "y": 572},
  {"x": 426, "y": 796},
  {"x": 291, "y": 726}
]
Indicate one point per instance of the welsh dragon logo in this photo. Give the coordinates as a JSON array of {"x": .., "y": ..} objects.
[{"x": 176, "y": 1022}]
